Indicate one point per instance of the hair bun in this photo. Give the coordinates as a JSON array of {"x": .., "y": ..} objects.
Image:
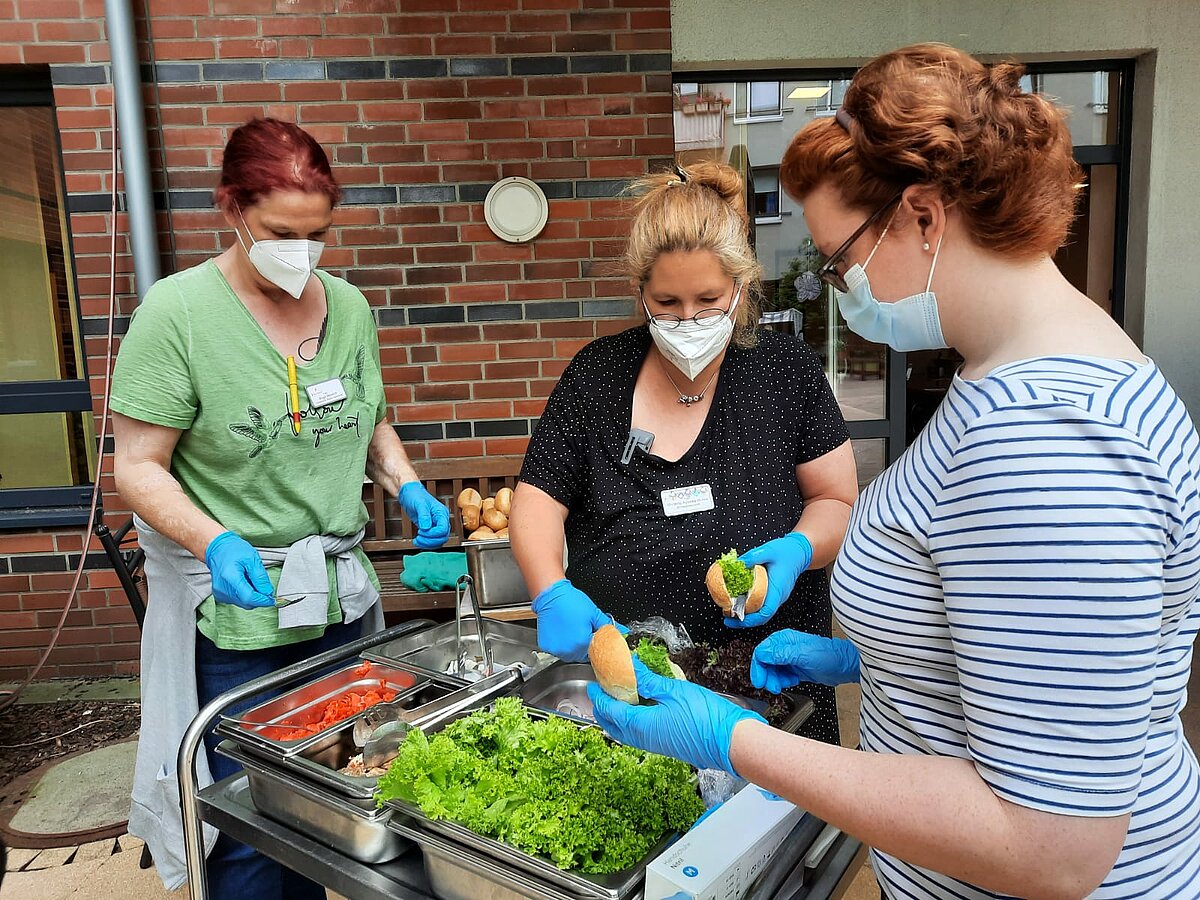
[{"x": 1005, "y": 78}]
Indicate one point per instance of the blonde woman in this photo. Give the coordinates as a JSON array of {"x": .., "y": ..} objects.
[{"x": 670, "y": 443}]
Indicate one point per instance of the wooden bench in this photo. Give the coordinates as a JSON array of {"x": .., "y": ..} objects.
[{"x": 390, "y": 532}]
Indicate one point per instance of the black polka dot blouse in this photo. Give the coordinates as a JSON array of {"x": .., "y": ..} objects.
[{"x": 773, "y": 409}]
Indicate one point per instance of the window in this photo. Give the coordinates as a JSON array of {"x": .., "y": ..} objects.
[
  {"x": 759, "y": 101},
  {"x": 47, "y": 439},
  {"x": 766, "y": 196}
]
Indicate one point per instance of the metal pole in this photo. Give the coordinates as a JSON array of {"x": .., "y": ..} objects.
[
  {"x": 135, "y": 158},
  {"x": 193, "y": 741}
]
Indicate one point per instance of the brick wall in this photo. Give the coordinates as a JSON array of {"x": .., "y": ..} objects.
[{"x": 422, "y": 105}]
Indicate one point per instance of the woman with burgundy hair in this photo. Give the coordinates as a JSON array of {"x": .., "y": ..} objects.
[
  {"x": 249, "y": 407},
  {"x": 1019, "y": 588}
]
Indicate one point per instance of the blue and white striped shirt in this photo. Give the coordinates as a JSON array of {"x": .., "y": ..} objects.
[{"x": 1022, "y": 587}]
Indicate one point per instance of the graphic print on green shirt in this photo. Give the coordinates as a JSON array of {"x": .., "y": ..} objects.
[{"x": 196, "y": 360}]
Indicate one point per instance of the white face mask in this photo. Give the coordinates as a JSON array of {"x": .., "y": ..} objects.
[
  {"x": 690, "y": 346},
  {"x": 286, "y": 264}
]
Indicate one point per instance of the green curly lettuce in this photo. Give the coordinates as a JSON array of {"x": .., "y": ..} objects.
[
  {"x": 655, "y": 658},
  {"x": 547, "y": 787},
  {"x": 738, "y": 578}
]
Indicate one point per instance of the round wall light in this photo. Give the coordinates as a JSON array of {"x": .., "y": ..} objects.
[{"x": 516, "y": 210}]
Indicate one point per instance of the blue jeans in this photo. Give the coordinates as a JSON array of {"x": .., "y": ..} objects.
[{"x": 236, "y": 871}]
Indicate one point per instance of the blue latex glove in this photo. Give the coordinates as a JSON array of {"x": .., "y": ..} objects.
[
  {"x": 430, "y": 516},
  {"x": 786, "y": 559},
  {"x": 566, "y": 620},
  {"x": 238, "y": 575},
  {"x": 789, "y": 657},
  {"x": 687, "y": 721}
]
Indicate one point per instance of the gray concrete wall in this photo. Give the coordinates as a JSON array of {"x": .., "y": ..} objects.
[{"x": 1163, "y": 283}]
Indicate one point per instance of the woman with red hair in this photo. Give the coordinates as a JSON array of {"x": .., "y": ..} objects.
[
  {"x": 1019, "y": 588},
  {"x": 249, "y": 407}
]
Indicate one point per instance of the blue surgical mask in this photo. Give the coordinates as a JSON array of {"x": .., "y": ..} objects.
[{"x": 908, "y": 324}]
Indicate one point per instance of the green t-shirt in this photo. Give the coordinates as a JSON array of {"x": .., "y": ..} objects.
[{"x": 195, "y": 359}]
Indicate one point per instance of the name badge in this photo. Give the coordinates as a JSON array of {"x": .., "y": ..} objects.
[
  {"x": 325, "y": 393},
  {"x": 684, "y": 500}
]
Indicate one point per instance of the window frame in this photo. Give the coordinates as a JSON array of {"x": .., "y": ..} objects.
[
  {"x": 778, "y": 217},
  {"x": 24, "y": 508},
  {"x": 750, "y": 118}
]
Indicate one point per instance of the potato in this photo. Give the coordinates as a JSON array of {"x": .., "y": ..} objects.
[
  {"x": 504, "y": 500},
  {"x": 494, "y": 519},
  {"x": 471, "y": 517},
  {"x": 469, "y": 497}
]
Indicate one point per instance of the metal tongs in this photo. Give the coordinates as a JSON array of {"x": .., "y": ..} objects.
[{"x": 382, "y": 729}]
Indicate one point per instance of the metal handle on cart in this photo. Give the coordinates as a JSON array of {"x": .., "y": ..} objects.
[{"x": 193, "y": 738}]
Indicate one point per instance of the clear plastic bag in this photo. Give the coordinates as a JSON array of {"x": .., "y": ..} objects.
[
  {"x": 675, "y": 637},
  {"x": 717, "y": 786}
]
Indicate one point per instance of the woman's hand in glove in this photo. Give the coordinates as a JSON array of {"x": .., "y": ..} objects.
[
  {"x": 687, "y": 721},
  {"x": 430, "y": 516},
  {"x": 785, "y": 560},
  {"x": 238, "y": 575},
  {"x": 566, "y": 620},
  {"x": 787, "y": 658}
]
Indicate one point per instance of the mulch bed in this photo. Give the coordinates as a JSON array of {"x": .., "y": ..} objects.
[{"x": 34, "y": 733}]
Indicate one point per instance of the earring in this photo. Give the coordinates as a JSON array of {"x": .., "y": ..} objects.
[{"x": 925, "y": 246}]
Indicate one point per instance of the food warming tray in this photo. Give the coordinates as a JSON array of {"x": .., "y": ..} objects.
[
  {"x": 320, "y": 763},
  {"x": 495, "y": 576},
  {"x": 359, "y": 833},
  {"x": 614, "y": 886},
  {"x": 562, "y": 689},
  {"x": 304, "y": 705},
  {"x": 435, "y": 651}
]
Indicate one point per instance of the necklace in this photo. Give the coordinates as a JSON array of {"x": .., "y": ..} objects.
[{"x": 688, "y": 399}]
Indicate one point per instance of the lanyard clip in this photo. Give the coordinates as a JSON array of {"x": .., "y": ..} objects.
[{"x": 637, "y": 440}]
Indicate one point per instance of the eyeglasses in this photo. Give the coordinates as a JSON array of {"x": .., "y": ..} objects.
[
  {"x": 828, "y": 272},
  {"x": 706, "y": 318}
]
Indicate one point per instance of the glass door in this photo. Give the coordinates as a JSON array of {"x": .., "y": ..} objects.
[{"x": 747, "y": 119}]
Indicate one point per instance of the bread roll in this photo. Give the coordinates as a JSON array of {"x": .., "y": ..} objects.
[
  {"x": 504, "y": 498},
  {"x": 482, "y": 534},
  {"x": 489, "y": 503},
  {"x": 612, "y": 662},
  {"x": 503, "y": 533},
  {"x": 494, "y": 519},
  {"x": 469, "y": 497},
  {"x": 715, "y": 580},
  {"x": 471, "y": 517}
]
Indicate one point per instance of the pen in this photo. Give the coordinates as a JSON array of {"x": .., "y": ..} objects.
[{"x": 295, "y": 389}]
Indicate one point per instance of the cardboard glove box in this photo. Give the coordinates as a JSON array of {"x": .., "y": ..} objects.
[{"x": 722, "y": 855}]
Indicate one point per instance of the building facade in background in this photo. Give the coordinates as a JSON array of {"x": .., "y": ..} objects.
[{"x": 422, "y": 106}]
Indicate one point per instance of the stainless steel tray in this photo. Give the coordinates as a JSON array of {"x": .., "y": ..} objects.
[
  {"x": 435, "y": 651},
  {"x": 457, "y": 875},
  {"x": 304, "y": 705},
  {"x": 562, "y": 689},
  {"x": 614, "y": 886},
  {"x": 496, "y": 579},
  {"x": 321, "y": 763},
  {"x": 356, "y": 832}
]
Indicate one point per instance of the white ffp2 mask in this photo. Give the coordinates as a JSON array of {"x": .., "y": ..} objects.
[
  {"x": 286, "y": 264},
  {"x": 690, "y": 346}
]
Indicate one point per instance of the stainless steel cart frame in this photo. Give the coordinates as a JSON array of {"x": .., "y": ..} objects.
[{"x": 193, "y": 738}]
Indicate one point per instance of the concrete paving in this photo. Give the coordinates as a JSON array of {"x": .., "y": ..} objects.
[{"x": 83, "y": 792}]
